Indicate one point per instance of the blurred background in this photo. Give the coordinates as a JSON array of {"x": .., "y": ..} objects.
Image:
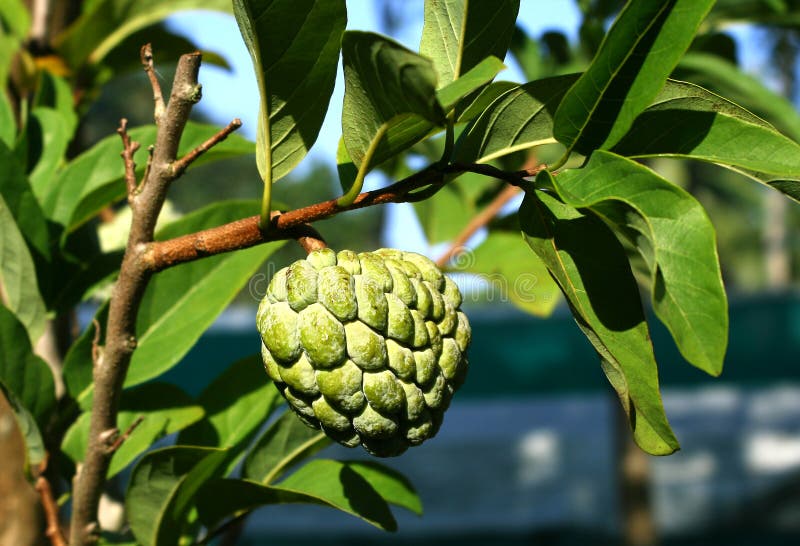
[{"x": 533, "y": 450}]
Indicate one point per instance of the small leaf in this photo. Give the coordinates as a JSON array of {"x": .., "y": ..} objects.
[
  {"x": 640, "y": 50},
  {"x": 514, "y": 273},
  {"x": 164, "y": 409},
  {"x": 8, "y": 125},
  {"x": 295, "y": 49},
  {"x": 592, "y": 270},
  {"x": 22, "y": 372},
  {"x": 237, "y": 404},
  {"x": 34, "y": 445},
  {"x": 286, "y": 442},
  {"x": 78, "y": 362},
  {"x": 106, "y": 23},
  {"x": 518, "y": 119},
  {"x": 322, "y": 481},
  {"x": 18, "y": 278},
  {"x": 162, "y": 491},
  {"x": 679, "y": 248},
  {"x": 458, "y": 35},
  {"x": 390, "y": 95},
  {"x": 478, "y": 76}
]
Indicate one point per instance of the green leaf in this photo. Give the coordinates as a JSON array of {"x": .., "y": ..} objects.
[
  {"x": 53, "y": 135},
  {"x": 640, "y": 50},
  {"x": 324, "y": 482},
  {"x": 108, "y": 22},
  {"x": 162, "y": 491},
  {"x": 8, "y": 125},
  {"x": 182, "y": 302},
  {"x": 18, "y": 277},
  {"x": 15, "y": 16},
  {"x": 513, "y": 273},
  {"x": 95, "y": 179},
  {"x": 20, "y": 200},
  {"x": 592, "y": 270},
  {"x": 237, "y": 404},
  {"x": 345, "y": 167},
  {"x": 164, "y": 409},
  {"x": 727, "y": 79},
  {"x": 22, "y": 372},
  {"x": 295, "y": 50},
  {"x": 478, "y": 76},
  {"x": 286, "y": 442},
  {"x": 518, "y": 119},
  {"x": 390, "y": 97},
  {"x": 678, "y": 242},
  {"x": 480, "y": 102},
  {"x": 448, "y": 211},
  {"x": 34, "y": 445},
  {"x": 392, "y": 486},
  {"x": 700, "y": 125},
  {"x": 459, "y": 34}
]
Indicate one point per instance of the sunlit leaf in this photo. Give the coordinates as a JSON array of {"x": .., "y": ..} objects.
[
  {"x": 676, "y": 240},
  {"x": 640, "y": 50},
  {"x": 592, "y": 270},
  {"x": 295, "y": 46}
]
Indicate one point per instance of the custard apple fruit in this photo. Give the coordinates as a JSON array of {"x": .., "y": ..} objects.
[{"x": 368, "y": 347}]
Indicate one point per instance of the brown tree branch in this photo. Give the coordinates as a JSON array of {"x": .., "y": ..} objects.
[
  {"x": 120, "y": 439},
  {"x": 129, "y": 148},
  {"x": 146, "y": 54},
  {"x": 120, "y": 333},
  {"x": 292, "y": 224},
  {"x": 180, "y": 166},
  {"x": 53, "y": 530}
]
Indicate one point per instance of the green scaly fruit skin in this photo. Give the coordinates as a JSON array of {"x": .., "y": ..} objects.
[{"x": 368, "y": 347}]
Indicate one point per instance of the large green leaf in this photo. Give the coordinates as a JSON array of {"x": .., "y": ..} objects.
[
  {"x": 107, "y": 23},
  {"x": 22, "y": 372},
  {"x": 237, "y": 404},
  {"x": 676, "y": 240},
  {"x": 697, "y": 124},
  {"x": 390, "y": 92},
  {"x": 459, "y": 34},
  {"x": 94, "y": 179},
  {"x": 726, "y": 78},
  {"x": 518, "y": 119},
  {"x": 20, "y": 200},
  {"x": 295, "y": 46},
  {"x": 15, "y": 17},
  {"x": 180, "y": 303},
  {"x": 162, "y": 491},
  {"x": 360, "y": 489},
  {"x": 640, "y": 50},
  {"x": 164, "y": 409},
  {"x": 592, "y": 270},
  {"x": 286, "y": 442},
  {"x": 18, "y": 284},
  {"x": 513, "y": 273}
]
